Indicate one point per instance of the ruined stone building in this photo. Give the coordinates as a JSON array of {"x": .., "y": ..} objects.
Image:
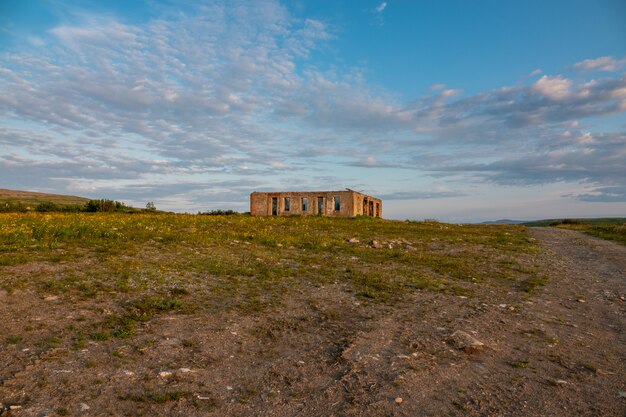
[{"x": 325, "y": 203}]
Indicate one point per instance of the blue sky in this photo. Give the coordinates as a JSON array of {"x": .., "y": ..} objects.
[{"x": 454, "y": 110}]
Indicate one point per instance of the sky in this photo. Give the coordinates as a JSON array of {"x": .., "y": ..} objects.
[{"x": 450, "y": 110}]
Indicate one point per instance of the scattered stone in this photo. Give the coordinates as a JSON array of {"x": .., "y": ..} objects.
[
  {"x": 229, "y": 388},
  {"x": 621, "y": 394},
  {"x": 184, "y": 370},
  {"x": 128, "y": 373},
  {"x": 51, "y": 298},
  {"x": 580, "y": 300},
  {"x": 84, "y": 407},
  {"x": 399, "y": 400},
  {"x": 604, "y": 373},
  {"x": 165, "y": 374},
  {"x": 375, "y": 244},
  {"x": 353, "y": 240},
  {"x": 465, "y": 342},
  {"x": 15, "y": 407},
  {"x": 561, "y": 382},
  {"x": 502, "y": 305}
]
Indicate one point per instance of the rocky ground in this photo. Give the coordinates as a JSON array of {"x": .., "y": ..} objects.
[{"x": 326, "y": 352}]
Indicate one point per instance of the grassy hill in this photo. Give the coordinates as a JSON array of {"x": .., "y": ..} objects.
[
  {"x": 15, "y": 201},
  {"x": 32, "y": 199},
  {"x": 589, "y": 221},
  {"x": 611, "y": 228}
]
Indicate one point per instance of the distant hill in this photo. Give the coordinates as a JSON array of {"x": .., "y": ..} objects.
[
  {"x": 31, "y": 199},
  {"x": 505, "y": 221}
]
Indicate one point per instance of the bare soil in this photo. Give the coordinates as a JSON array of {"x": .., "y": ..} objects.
[{"x": 325, "y": 352}]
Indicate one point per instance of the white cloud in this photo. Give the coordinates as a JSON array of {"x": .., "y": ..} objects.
[
  {"x": 555, "y": 88},
  {"x": 95, "y": 32},
  {"x": 603, "y": 63},
  {"x": 36, "y": 41},
  {"x": 381, "y": 7}
]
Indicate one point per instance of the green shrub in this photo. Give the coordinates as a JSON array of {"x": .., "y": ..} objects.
[{"x": 47, "y": 206}]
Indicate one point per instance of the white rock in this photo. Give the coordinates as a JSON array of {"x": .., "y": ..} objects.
[
  {"x": 376, "y": 244},
  {"x": 465, "y": 342}
]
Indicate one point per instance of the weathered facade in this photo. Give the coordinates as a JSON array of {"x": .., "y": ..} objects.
[{"x": 325, "y": 203}]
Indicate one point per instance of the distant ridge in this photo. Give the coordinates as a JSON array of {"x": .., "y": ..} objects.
[{"x": 505, "y": 221}]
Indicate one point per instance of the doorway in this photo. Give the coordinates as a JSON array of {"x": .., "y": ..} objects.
[
  {"x": 320, "y": 205},
  {"x": 274, "y": 206}
]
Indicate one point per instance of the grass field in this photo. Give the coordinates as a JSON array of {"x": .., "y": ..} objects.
[
  {"x": 616, "y": 233},
  {"x": 152, "y": 263}
]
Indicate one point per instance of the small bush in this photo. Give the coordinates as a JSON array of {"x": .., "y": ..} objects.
[
  {"x": 13, "y": 207},
  {"x": 219, "y": 213},
  {"x": 47, "y": 206},
  {"x": 106, "y": 206}
]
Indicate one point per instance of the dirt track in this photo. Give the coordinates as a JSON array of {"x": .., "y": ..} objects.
[{"x": 558, "y": 352}]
